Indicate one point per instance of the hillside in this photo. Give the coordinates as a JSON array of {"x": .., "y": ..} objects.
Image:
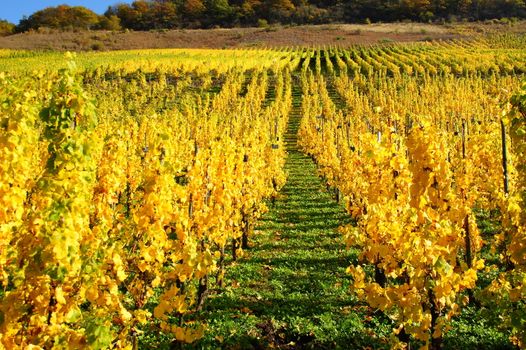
[{"x": 319, "y": 35}]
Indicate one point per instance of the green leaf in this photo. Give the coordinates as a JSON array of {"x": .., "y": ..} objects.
[
  {"x": 73, "y": 315},
  {"x": 98, "y": 334}
]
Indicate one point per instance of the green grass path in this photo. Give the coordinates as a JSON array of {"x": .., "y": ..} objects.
[{"x": 290, "y": 289}]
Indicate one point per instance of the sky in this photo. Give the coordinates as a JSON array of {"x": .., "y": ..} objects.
[{"x": 13, "y": 10}]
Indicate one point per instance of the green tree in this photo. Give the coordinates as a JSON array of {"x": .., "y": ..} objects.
[
  {"x": 218, "y": 12},
  {"x": 193, "y": 9},
  {"x": 126, "y": 14},
  {"x": 60, "y": 17},
  {"x": 279, "y": 10},
  {"x": 145, "y": 15},
  {"x": 111, "y": 22},
  {"x": 163, "y": 14},
  {"x": 415, "y": 9},
  {"x": 6, "y": 28}
]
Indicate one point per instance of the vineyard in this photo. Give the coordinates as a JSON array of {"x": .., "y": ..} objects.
[{"x": 368, "y": 197}]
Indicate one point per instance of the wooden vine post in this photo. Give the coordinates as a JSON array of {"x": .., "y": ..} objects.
[{"x": 504, "y": 157}]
